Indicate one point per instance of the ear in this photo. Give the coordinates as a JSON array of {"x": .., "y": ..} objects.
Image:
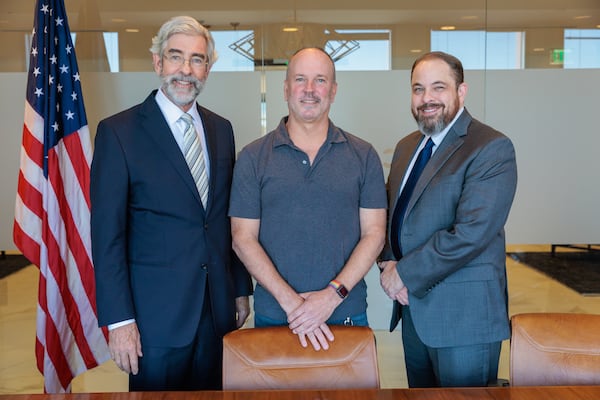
[
  {"x": 462, "y": 92},
  {"x": 285, "y": 90},
  {"x": 157, "y": 63},
  {"x": 333, "y": 91}
]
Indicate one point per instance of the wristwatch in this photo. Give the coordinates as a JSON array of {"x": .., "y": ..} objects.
[{"x": 340, "y": 289}]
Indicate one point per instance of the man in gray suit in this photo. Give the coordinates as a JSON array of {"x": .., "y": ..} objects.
[{"x": 444, "y": 261}]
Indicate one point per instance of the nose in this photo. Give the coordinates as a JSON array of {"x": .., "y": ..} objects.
[
  {"x": 428, "y": 96},
  {"x": 309, "y": 86},
  {"x": 186, "y": 67}
]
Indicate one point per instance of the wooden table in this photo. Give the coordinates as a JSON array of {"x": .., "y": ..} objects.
[{"x": 493, "y": 393}]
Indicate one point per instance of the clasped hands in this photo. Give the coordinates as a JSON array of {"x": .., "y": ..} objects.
[
  {"x": 307, "y": 319},
  {"x": 391, "y": 282}
]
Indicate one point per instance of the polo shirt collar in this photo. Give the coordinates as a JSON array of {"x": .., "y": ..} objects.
[{"x": 282, "y": 136}]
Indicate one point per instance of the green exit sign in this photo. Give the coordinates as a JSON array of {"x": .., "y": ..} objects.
[{"x": 557, "y": 57}]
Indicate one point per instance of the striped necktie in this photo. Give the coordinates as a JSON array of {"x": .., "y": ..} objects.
[{"x": 192, "y": 150}]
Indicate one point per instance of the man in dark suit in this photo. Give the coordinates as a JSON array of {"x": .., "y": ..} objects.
[
  {"x": 444, "y": 263},
  {"x": 168, "y": 285}
]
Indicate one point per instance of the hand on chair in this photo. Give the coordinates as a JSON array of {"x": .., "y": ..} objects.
[
  {"x": 319, "y": 338},
  {"x": 308, "y": 320}
]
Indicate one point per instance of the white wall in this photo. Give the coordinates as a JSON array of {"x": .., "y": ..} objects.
[{"x": 549, "y": 114}]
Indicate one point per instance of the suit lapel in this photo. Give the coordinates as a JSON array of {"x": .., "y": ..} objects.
[{"x": 159, "y": 131}]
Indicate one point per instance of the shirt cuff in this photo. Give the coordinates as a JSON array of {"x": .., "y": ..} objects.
[{"x": 120, "y": 324}]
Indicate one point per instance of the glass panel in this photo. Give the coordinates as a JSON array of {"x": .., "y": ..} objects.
[
  {"x": 235, "y": 49},
  {"x": 504, "y": 50},
  {"x": 520, "y": 34},
  {"x": 480, "y": 49},
  {"x": 582, "y": 48},
  {"x": 111, "y": 43},
  {"x": 366, "y": 50}
]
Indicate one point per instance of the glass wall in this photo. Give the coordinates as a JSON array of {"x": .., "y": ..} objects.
[
  {"x": 114, "y": 35},
  {"x": 527, "y": 63}
]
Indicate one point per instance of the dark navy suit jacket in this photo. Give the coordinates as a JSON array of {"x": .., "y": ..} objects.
[{"x": 154, "y": 247}]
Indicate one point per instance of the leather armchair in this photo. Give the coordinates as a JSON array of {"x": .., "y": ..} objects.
[
  {"x": 549, "y": 349},
  {"x": 272, "y": 358}
]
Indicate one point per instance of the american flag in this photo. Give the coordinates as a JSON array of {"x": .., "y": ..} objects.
[{"x": 52, "y": 211}]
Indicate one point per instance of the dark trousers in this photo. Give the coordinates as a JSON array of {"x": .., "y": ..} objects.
[
  {"x": 197, "y": 366},
  {"x": 462, "y": 366}
]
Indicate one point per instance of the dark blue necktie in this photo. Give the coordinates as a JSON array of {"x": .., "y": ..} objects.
[
  {"x": 398, "y": 216},
  {"x": 404, "y": 198}
]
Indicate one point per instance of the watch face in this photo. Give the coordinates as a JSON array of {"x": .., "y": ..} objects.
[{"x": 342, "y": 291}]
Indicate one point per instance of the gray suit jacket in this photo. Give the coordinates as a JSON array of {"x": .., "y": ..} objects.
[{"x": 452, "y": 238}]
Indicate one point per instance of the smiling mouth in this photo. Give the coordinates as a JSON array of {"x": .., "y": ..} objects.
[
  {"x": 310, "y": 100},
  {"x": 430, "y": 108},
  {"x": 182, "y": 83}
]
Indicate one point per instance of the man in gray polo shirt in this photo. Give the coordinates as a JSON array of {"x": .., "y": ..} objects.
[{"x": 308, "y": 211}]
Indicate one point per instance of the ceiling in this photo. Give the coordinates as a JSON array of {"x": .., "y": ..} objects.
[
  {"x": 116, "y": 15},
  {"x": 409, "y": 21}
]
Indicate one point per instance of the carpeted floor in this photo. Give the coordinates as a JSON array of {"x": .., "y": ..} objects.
[
  {"x": 10, "y": 263},
  {"x": 579, "y": 270}
]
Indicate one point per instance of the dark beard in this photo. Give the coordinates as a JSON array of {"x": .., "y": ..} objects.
[{"x": 432, "y": 126}]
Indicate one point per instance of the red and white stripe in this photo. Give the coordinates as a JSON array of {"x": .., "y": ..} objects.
[{"x": 52, "y": 229}]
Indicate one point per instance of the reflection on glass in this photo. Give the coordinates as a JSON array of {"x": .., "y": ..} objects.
[
  {"x": 371, "y": 52},
  {"x": 378, "y": 35},
  {"x": 111, "y": 43},
  {"x": 582, "y": 48},
  {"x": 235, "y": 49},
  {"x": 481, "y": 49}
]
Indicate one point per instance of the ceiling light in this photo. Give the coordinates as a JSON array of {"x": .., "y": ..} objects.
[
  {"x": 582, "y": 17},
  {"x": 118, "y": 20},
  {"x": 292, "y": 27},
  {"x": 132, "y": 30},
  {"x": 447, "y": 28},
  {"x": 415, "y": 50},
  {"x": 539, "y": 49}
]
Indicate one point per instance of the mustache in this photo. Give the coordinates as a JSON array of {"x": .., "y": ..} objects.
[
  {"x": 183, "y": 78},
  {"x": 310, "y": 97},
  {"x": 429, "y": 105}
]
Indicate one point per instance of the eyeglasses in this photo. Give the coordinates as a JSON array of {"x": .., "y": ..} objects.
[{"x": 196, "y": 62}]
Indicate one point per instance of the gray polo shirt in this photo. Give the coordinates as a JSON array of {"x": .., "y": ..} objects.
[{"x": 309, "y": 214}]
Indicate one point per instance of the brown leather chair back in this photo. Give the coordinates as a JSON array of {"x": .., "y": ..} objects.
[
  {"x": 552, "y": 349},
  {"x": 272, "y": 358}
]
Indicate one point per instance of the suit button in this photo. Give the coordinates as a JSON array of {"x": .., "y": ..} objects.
[
  {"x": 204, "y": 266},
  {"x": 205, "y": 227}
]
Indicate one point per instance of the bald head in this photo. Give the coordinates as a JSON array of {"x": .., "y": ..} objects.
[{"x": 316, "y": 52}]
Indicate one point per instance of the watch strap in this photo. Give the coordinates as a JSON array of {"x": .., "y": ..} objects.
[{"x": 340, "y": 289}]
